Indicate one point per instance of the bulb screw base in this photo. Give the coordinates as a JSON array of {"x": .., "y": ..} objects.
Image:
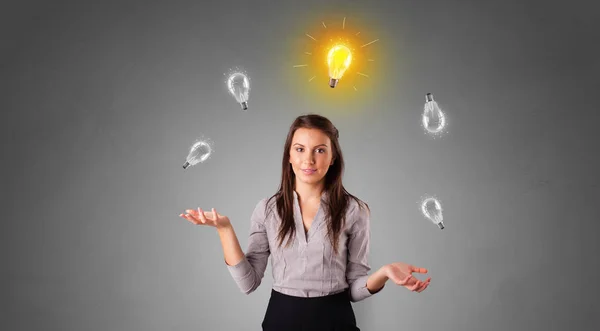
[
  {"x": 244, "y": 105},
  {"x": 428, "y": 97},
  {"x": 441, "y": 225},
  {"x": 333, "y": 82},
  {"x": 186, "y": 165}
]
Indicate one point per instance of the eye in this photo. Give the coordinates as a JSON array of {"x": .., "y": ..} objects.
[
  {"x": 322, "y": 150},
  {"x": 298, "y": 149}
]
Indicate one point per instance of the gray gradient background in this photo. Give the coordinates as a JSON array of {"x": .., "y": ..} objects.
[{"x": 100, "y": 102}]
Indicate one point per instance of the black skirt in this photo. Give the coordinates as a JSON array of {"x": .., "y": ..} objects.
[{"x": 327, "y": 313}]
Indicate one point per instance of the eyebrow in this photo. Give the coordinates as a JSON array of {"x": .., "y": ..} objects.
[{"x": 315, "y": 146}]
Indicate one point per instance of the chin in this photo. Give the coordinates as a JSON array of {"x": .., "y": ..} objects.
[{"x": 311, "y": 180}]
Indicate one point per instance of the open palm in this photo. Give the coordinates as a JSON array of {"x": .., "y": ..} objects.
[
  {"x": 401, "y": 274},
  {"x": 200, "y": 217}
]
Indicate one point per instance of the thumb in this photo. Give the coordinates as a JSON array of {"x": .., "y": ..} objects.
[{"x": 419, "y": 270}]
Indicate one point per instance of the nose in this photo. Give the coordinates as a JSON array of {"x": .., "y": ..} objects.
[{"x": 310, "y": 158}]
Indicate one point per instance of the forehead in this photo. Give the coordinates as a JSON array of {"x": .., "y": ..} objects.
[{"x": 310, "y": 137}]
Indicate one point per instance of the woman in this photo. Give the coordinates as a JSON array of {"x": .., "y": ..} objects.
[{"x": 323, "y": 265}]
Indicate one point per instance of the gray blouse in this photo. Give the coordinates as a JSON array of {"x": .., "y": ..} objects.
[{"x": 309, "y": 267}]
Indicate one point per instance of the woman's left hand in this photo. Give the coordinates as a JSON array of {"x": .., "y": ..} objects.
[{"x": 401, "y": 274}]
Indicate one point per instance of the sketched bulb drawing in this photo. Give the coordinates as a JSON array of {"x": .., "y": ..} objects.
[
  {"x": 338, "y": 61},
  {"x": 433, "y": 118},
  {"x": 239, "y": 86},
  {"x": 432, "y": 209},
  {"x": 199, "y": 152}
]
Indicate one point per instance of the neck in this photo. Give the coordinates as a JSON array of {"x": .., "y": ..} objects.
[{"x": 307, "y": 192}]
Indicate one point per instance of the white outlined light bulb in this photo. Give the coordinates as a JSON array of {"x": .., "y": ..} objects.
[
  {"x": 434, "y": 119},
  {"x": 239, "y": 86},
  {"x": 199, "y": 152},
  {"x": 432, "y": 209}
]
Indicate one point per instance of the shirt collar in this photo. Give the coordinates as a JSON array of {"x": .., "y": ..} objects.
[{"x": 324, "y": 195}]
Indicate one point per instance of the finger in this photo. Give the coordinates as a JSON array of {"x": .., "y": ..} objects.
[
  {"x": 408, "y": 280},
  {"x": 190, "y": 218},
  {"x": 423, "y": 287},
  {"x": 215, "y": 214},
  {"x": 202, "y": 216},
  {"x": 415, "y": 286},
  {"x": 419, "y": 270},
  {"x": 192, "y": 212},
  {"x": 427, "y": 282}
]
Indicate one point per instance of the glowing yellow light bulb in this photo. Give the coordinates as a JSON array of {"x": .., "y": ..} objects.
[{"x": 338, "y": 60}]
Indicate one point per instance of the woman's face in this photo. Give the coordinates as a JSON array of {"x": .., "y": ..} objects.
[{"x": 310, "y": 155}]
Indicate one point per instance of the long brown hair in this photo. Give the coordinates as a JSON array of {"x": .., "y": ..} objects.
[{"x": 338, "y": 198}]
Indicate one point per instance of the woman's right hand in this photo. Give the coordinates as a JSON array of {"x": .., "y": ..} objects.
[{"x": 200, "y": 217}]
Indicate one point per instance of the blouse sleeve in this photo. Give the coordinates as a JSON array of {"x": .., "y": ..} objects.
[
  {"x": 249, "y": 272},
  {"x": 357, "y": 268}
]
